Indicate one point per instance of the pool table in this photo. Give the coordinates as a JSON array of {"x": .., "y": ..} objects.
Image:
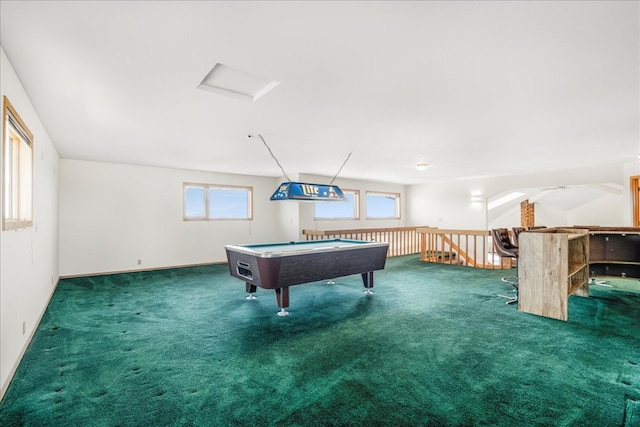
[{"x": 280, "y": 265}]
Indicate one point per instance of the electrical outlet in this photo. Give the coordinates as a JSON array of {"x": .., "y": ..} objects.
[{"x": 139, "y": 262}]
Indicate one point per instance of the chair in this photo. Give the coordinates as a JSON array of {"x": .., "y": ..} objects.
[
  {"x": 506, "y": 249},
  {"x": 516, "y": 234}
]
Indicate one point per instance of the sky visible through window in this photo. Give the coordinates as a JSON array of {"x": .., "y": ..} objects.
[
  {"x": 194, "y": 202},
  {"x": 224, "y": 203},
  {"x": 233, "y": 203},
  {"x": 228, "y": 203},
  {"x": 333, "y": 210},
  {"x": 381, "y": 206}
]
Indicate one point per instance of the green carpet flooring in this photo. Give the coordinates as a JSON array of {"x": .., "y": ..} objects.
[{"x": 434, "y": 346}]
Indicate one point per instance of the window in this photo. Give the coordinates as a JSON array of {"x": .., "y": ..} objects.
[
  {"x": 17, "y": 170},
  {"x": 205, "y": 202},
  {"x": 383, "y": 205},
  {"x": 339, "y": 210}
]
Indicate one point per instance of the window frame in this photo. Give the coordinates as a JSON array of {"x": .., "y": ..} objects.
[
  {"x": 207, "y": 188},
  {"x": 356, "y": 208},
  {"x": 395, "y": 196},
  {"x": 13, "y": 165}
]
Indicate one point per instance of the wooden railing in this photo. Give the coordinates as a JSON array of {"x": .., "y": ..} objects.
[
  {"x": 402, "y": 240},
  {"x": 473, "y": 248}
]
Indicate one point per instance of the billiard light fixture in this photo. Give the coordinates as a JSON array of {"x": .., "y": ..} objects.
[
  {"x": 302, "y": 191},
  {"x": 308, "y": 192}
]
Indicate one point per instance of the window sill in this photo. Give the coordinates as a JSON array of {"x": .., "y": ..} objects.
[{"x": 15, "y": 224}]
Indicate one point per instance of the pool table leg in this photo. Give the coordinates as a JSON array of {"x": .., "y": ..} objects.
[
  {"x": 282, "y": 298},
  {"x": 251, "y": 289},
  {"x": 367, "y": 281}
]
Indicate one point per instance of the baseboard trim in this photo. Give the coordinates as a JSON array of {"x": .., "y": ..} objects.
[
  {"x": 138, "y": 270},
  {"x": 32, "y": 333}
]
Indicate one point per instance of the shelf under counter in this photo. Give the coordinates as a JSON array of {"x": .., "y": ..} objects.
[
  {"x": 614, "y": 251},
  {"x": 615, "y": 268}
]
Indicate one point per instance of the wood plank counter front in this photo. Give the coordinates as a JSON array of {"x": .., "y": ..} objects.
[{"x": 553, "y": 264}]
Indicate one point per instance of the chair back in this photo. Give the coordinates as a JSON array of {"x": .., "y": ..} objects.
[
  {"x": 516, "y": 234},
  {"x": 502, "y": 243}
]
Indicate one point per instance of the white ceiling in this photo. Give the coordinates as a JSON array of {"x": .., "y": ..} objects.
[
  {"x": 475, "y": 89},
  {"x": 559, "y": 198}
]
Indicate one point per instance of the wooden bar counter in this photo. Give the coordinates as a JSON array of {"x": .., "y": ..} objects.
[{"x": 553, "y": 264}]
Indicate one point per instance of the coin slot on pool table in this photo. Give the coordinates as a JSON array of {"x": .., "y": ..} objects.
[{"x": 243, "y": 270}]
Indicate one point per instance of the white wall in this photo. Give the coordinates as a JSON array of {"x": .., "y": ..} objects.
[
  {"x": 288, "y": 213},
  {"x": 630, "y": 169},
  {"x": 605, "y": 211},
  {"x": 550, "y": 217},
  {"x": 448, "y": 205},
  {"x": 29, "y": 256},
  {"x": 113, "y": 215}
]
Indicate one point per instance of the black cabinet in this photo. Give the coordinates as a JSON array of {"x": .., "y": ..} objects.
[{"x": 614, "y": 253}]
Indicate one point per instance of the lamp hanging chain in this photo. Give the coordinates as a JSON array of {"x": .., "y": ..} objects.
[
  {"x": 282, "y": 169},
  {"x": 274, "y": 157},
  {"x": 339, "y": 170}
]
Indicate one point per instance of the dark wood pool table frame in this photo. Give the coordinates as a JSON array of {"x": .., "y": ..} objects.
[{"x": 267, "y": 267}]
